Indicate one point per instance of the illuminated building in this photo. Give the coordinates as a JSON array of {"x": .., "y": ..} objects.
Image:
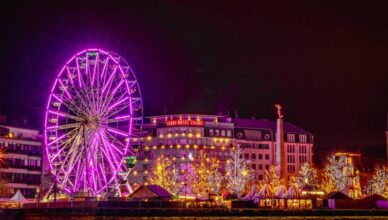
[
  {"x": 258, "y": 139},
  {"x": 180, "y": 137},
  {"x": 22, "y": 160}
]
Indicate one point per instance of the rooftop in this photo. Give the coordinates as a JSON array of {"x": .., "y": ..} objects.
[{"x": 268, "y": 124}]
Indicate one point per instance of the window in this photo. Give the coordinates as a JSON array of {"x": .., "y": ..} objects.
[
  {"x": 290, "y": 159},
  {"x": 254, "y": 166},
  {"x": 260, "y": 166},
  {"x": 267, "y": 167},
  {"x": 290, "y": 148},
  {"x": 253, "y": 156},
  {"x": 260, "y": 156},
  {"x": 303, "y": 138},
  {"x": 267, "y": 156},
  {"x": 260, "y": 177},
  {"x": 211, "y": 132},
  {"x": 223, "y": 133},
  {"x": 291, "y": 169},
  {"x": 246, "y": 156},
  {"x": 229, "y": 133},
  {"x": 303, "y": 149},
  {"x": 290, "y": 138},
  {"x": 217, "y": 132}
]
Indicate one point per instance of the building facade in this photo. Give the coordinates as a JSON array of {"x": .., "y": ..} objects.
[
  {"x": 21, "y": 166},
  {"x": 258, "y": 140},
  {"x": 181, "y": 137}
]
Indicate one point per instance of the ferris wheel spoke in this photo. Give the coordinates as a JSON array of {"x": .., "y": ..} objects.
[
  {"x": 116, "y": 131},
  {"x": 104, "y": 69},
  {"x": 115, "y": 140},
  {"x": 64, "y": 89},
  {"x": 79, "y": 73},
  {"x": 66, "y": 126},
  {"x": 69, "y": 75},
  {"x": 65, "y": 115},
  {"x": 95, "y": 68},
  {"x": 109, "y": 82},
  {"x": 108, "y": 147}
]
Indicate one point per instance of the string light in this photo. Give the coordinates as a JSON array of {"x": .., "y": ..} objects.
[{"x": 187, "y": 146}]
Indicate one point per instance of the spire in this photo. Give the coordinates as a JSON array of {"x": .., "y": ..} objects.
[{"x": 280, "y": 149}]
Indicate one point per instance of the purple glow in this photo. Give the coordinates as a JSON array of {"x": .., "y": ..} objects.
[
  {"x": 117, "y": 132},
  {"x": 118, "y": 103},
  {"x": 87, "y": 86}
]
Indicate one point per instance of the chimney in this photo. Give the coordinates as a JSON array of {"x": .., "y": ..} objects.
[{"x": 280, "y": 150}]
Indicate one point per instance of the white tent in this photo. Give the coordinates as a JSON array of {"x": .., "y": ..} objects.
[{"x": 18, "y": 197}]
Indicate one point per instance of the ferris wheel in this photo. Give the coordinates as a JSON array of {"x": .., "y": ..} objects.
[{"x": 93, "y": 123}]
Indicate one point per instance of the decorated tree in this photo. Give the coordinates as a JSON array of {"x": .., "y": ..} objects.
[
  {"x": 272, "y": 178},
  {"x": 307, "y": 176},
  {"x": 203, "y": 176},
  {"x": 166, "y": 175},
  {"x": 378, "y": 183},
  {"x": 238, "y": 172},
  {"x": 340, "y": 175}
]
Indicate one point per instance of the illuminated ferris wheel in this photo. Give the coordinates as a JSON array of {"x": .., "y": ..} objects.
[{"x": 93, "y": 120}]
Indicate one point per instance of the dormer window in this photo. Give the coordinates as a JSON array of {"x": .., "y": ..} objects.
[
  {"x": 290, "y": 137},
  {"x": 303, "y": 138}
]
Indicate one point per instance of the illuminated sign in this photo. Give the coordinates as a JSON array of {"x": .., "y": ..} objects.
[{"x": 184, "y": 123}]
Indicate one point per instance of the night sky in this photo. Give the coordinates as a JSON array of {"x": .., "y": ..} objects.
[{"x": 325, "y": 62}]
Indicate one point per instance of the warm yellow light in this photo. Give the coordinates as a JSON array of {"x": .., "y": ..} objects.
[
  {"x": 226, "y": 140},
  {"x": 183, "y": 134},
  {"x": 146, "y": 183},
  {"x": 215, "y": 139},
  {"x": 135, "y": 173},
  {"x": 147, "y": 147},
  {"x": 228, "y": 174},
  {"x": 195, "y": 146},
  {"x": 190, "y": 135},
  {"x": 149, "y": 138},
  {"x": 223, "y": 147},
  {"x": 176, "y": 134},
  {"x": 159, "y": 167},
  {"x": 169, "y": 135},
  {"x": 228, "y": 161},
  {"x": 162, "y": 147},
  {"x": 213, "y": 147},
  {"x": 161, "y": 136},
  {"x": 204, "y": 147},
  {"x": 198, "y": 135},
  {"x": 171, "y": 146},
  {"x": 244, "y": 173},
  {"x": 182, "y": 158},
  {"x": 221, "y": 139},
  {"x": 187, "y": 146},
  {"x": 154, "y": 120},
  {"x": 146, "y": 172},
  {"x": 155, "y": 147},
  {"x": 146, "y": 160},
  {"x": 173, "y": 158},
  {"x": 178, "y": 146}
]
